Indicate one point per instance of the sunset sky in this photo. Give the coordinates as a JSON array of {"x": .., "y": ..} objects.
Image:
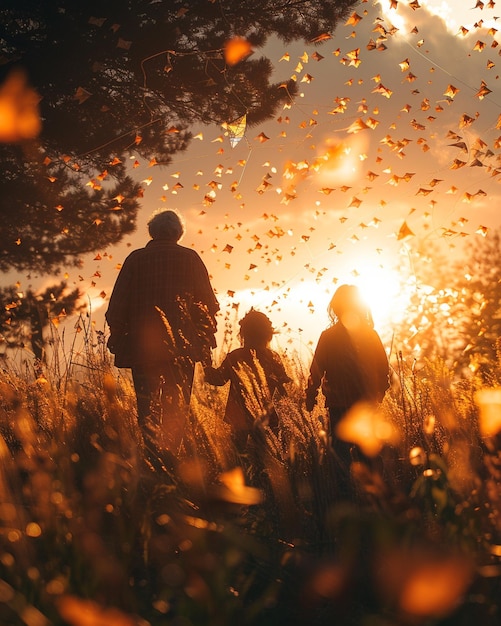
[{"x": 392, "y": 141}]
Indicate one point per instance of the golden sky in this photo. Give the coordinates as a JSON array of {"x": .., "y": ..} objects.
[{"x": 392, "y": 141}]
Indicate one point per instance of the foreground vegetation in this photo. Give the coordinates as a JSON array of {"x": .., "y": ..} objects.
[{"x": 100, "y": 526}]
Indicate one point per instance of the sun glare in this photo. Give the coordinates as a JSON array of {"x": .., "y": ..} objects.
[
  {"x": 384, "y": 292},
  {"x": 341, "y": 161},
  {"x": 299, "y": 313},
  {"x": 393, "y": 16},
  {"x": 454, "y": 13}
]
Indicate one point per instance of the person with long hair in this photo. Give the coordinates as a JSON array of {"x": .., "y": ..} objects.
[{"x": 350, "y": 365}]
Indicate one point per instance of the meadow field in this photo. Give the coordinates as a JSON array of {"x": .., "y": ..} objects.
[{"x": 102, "y": 526}]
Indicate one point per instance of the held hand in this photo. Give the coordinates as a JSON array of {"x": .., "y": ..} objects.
[
  {"x": 206, "y": 357},
  {"x": 112, "y": 343}
]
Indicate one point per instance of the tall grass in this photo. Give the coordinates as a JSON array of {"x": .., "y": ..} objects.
[{"x": 99, "y": 525}]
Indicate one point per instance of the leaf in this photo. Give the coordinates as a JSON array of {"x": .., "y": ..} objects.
[
  {"x": 476, "y": 163},
  {"x": 483, "y": 91},
  {"x": 19, "y": 114},
  {"x": 97, "y": 21},
  {"x": 359, "y": 125},
  {"x": 81, "y": 95},
  {"x": 460, "y": 144},
  {"x": 384, "y": 91},
  {"x": 405, "y": 232},
  {"x": 451, "y": 91},
  {"x": 262, "y": 137},
  {"x": 353, "y": 20},
  {"x": 237, "y": 49},
  {"x": 124, "y": 44},
  {"x": 322, "y": 37}
]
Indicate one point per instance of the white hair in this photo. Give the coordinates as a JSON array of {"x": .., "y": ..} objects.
[{"x": 166, "y": 224}]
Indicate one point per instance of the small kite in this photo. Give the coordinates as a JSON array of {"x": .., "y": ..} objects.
[{"x": 236, "y": 130}]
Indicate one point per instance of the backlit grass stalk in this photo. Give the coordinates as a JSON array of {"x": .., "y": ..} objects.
[{"x": 87, "y": 524}]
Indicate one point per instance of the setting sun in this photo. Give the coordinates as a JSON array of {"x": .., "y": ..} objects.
[
  {"x": 200, "y": 422},
  {"x": 383, "y": 290}
]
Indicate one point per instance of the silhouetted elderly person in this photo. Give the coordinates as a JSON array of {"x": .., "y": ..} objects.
[
  {"x": 256, "y": 375},
  {"x": 161, "y": 316},
  {"x": 349, "y": 364}
]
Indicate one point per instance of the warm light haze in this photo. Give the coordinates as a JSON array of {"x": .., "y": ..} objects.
[{"x": 391, "y": 143}]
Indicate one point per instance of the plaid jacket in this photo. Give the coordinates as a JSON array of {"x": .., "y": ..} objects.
[{"x": 162, "y": 306}]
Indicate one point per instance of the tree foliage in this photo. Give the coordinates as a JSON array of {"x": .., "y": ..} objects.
[
  {"x": 126, "y": 75},
  {"x": 479, "y": 291},
  {"x": 25, "y": 315},
  {"x": 455, "y": 306},
  {"x": 49, "y": 224},
  {"x": 429, "y": 329}
]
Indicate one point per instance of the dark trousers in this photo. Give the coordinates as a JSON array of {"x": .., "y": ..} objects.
[
  {"x": 163, "y": 393},
  {"x": 343, "y": 456},
  {"x": 346, "y": 453}
]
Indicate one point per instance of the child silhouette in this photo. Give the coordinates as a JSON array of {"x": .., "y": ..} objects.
[{"x": 256, "y": 375}]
